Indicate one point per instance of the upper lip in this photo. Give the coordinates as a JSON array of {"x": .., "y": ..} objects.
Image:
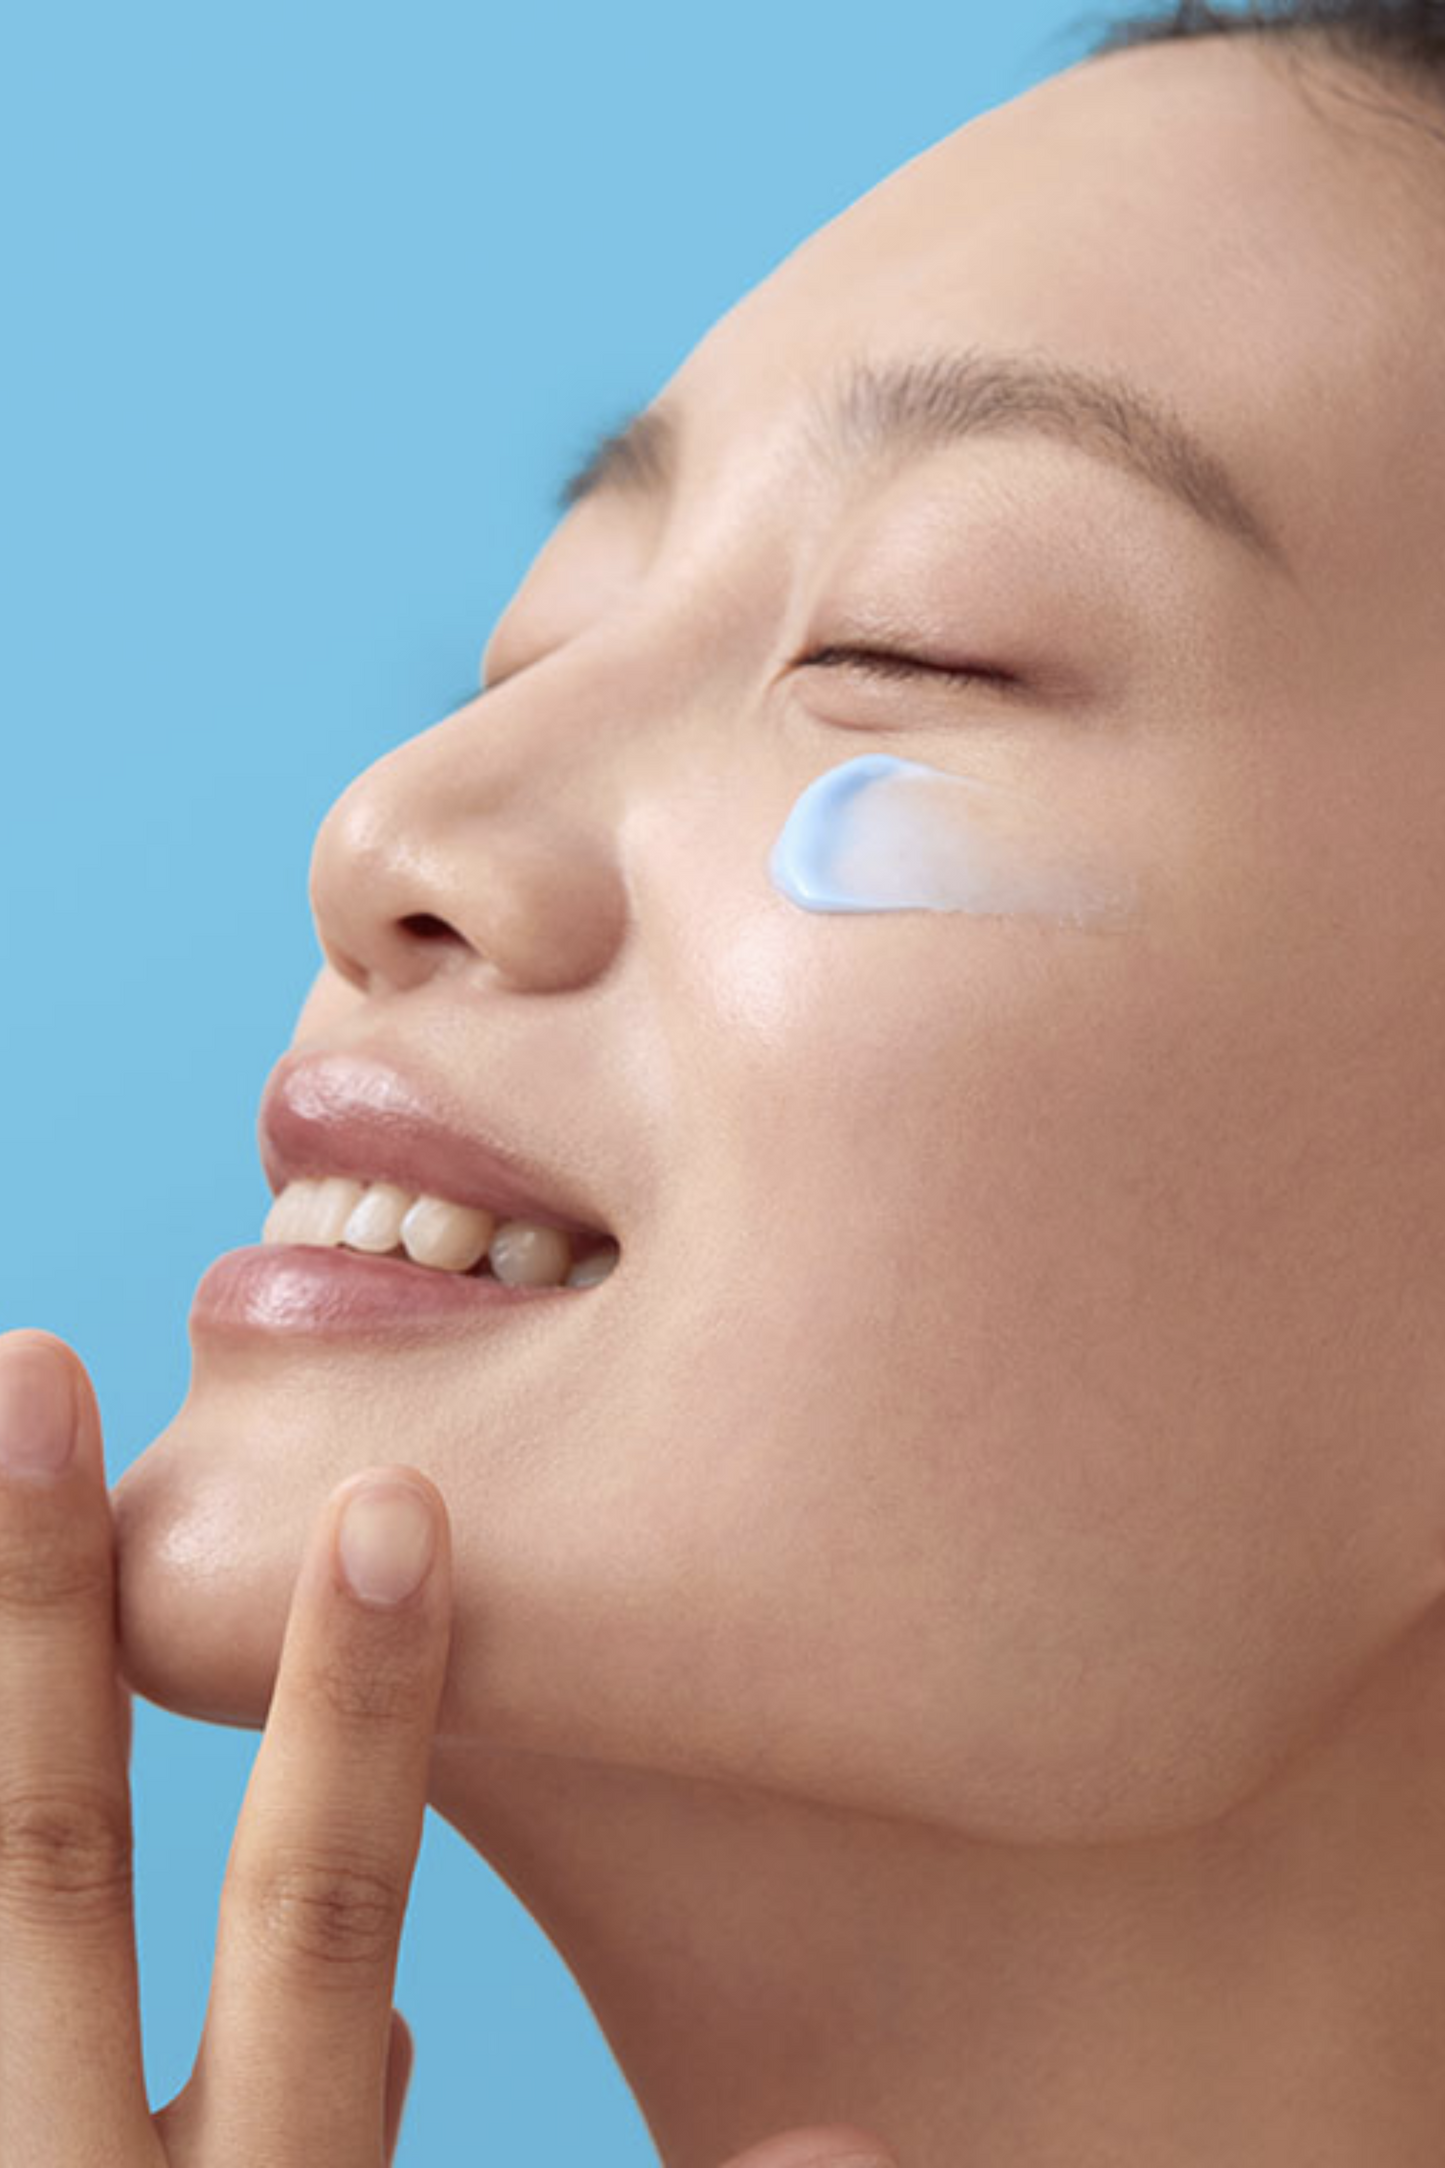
[{"x": 355, "y": 1114}]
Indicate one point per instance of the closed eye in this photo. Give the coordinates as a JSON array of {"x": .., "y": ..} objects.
[
  {"x": 877, "y": 661},
  {"x": 889, "y": 662}
]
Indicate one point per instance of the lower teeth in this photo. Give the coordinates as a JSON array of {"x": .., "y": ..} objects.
[{"x": 481, "y": 1270}]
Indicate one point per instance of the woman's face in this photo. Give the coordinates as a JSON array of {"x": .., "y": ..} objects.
[{"x": 1018, "y": 1401}]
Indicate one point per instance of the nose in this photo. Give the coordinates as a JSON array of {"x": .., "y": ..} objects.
[{"x": 482, "y": 845}]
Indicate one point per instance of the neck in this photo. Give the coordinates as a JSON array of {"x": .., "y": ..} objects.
[{"x": 1259, "y": 1991}]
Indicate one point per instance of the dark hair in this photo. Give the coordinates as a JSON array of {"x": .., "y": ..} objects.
[{"x": 1396, "y": 45}]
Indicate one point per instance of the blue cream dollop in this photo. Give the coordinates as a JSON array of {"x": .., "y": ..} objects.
[{"x": 881, "y": 834}]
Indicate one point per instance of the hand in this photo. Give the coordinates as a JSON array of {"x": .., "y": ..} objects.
[
  {"x": 302, "y": 2063},
  {"x": 302, "y": 2059}
]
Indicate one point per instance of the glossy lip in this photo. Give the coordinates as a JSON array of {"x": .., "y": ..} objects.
[
  {"x": 356, "y": 1114},
  {"x": 296, "y": 1289}
]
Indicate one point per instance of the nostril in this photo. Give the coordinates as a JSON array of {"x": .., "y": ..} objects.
[{"x": 427, "y": 926}]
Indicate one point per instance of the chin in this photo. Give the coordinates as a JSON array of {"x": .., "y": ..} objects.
[{"x": 198, "y": 1631}]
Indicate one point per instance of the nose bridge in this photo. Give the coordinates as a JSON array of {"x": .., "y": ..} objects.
[{"x": 502, "y": 824}]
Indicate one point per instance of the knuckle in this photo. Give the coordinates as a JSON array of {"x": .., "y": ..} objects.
[
  {"x": 50, "y": 1568},
  {"x": 68, "y": 1851},
  {"x": 333, "y": 1918},
  {"x": 365, "y": 1694}
]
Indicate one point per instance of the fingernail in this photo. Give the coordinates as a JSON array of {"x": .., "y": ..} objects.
[
  {"x": 37, "y": 1412},
  {"x": 387, "y": 1542}
]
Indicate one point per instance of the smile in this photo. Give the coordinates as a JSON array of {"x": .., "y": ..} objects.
[{"x": 381, "y": 1219}]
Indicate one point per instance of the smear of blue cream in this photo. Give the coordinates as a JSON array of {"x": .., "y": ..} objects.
[{"x": 882, "y": 834}]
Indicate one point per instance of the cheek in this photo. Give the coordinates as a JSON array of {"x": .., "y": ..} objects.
[{"x": 1029, "y": 1406}]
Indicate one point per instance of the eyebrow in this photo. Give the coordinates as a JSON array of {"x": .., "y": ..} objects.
[{"x": 927, "y": 401}]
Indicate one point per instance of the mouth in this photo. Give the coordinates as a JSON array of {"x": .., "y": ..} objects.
[{"x": 391, "y": 1209}]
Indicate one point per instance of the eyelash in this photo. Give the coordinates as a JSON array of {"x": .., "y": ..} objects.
[
  {"x": 887, "y": 662},
  {"x": 877, "y": 661}
]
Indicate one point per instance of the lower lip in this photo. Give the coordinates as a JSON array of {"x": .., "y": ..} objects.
[{"x": 294, "y": 1287}]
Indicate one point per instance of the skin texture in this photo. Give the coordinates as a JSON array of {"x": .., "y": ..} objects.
[{"x": 948, "y": 1638}]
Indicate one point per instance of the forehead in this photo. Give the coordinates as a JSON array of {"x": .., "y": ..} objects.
[{"x": 1182, "y": 215}]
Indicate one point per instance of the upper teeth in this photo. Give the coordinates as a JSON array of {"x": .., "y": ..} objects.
[{"x": 337, "y": 1210}]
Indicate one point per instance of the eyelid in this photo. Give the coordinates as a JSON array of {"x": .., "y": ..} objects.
[
  {"x": 880, "y": 661},
  {"x": 896, "y": 663}
]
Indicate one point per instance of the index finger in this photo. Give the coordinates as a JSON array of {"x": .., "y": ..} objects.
[{"x": 293, "y": 2058}]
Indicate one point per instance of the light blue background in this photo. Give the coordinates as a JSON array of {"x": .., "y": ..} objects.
[{"x": 309, "y": 307}]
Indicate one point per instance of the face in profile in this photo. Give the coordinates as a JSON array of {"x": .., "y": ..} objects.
[{"x": 1015, "y": 1400}]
